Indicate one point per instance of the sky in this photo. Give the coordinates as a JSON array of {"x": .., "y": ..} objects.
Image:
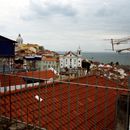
[{"x": 64, "y": 25}]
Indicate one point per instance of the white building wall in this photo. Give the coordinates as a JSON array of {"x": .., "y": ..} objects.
[
  {"x": 79, "y": 62},
  {"x": 70, "y": 60},
  {"x": 61, "y": 62}
]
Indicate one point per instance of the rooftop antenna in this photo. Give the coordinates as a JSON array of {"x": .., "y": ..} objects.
[
  {"x": 112, "y": 44},
  {"x": 118, "y": 42}
]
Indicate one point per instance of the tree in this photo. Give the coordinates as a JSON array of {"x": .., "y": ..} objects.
[{"x": 41, "y": 48}]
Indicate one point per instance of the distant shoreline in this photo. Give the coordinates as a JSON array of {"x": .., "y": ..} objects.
[{"x": 106, "y": 57}]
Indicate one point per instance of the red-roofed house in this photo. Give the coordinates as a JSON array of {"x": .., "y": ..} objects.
[{"x": 48, "y": 62}]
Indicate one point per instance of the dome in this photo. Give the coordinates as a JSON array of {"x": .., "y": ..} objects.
[{"x": 19, "y": 39}]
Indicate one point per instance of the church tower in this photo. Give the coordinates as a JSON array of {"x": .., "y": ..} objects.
[{"x": 79, "y": 51}]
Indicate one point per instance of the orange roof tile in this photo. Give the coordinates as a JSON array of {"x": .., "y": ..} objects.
[
  {"x": 8, "y": 80},
  {"x": 50, "y": 59},
  {"x": 45, "y": 74},
  {"x": 65, "y": 106},
  {"x": 16, "y": 79}
]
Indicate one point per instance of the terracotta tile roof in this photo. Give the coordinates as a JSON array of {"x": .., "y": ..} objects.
[
  {"x": 50, "y": 59},
  {"x": 16, "y": 79},
  {"x": 65, "y": 106},
  {"x": 49, "y": 52},
  {"x": 45, "y": 74},
  {"x": 7, "y": 80}
]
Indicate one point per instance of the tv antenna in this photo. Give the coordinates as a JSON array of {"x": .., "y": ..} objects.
[{"x": 118, "y": 42}]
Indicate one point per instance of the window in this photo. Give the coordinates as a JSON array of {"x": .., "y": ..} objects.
[
  {"x": 74, "y": 61},
  {"x": 66, "y": 61}
]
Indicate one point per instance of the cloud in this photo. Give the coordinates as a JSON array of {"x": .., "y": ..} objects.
[
  {"x": 2, "y": 27},
  {"x": 41, "y": 9},
  {"x": 116, "y": 10},
  {"x": 109, "y": 16},
  {"x": 65, "y": 24}
]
